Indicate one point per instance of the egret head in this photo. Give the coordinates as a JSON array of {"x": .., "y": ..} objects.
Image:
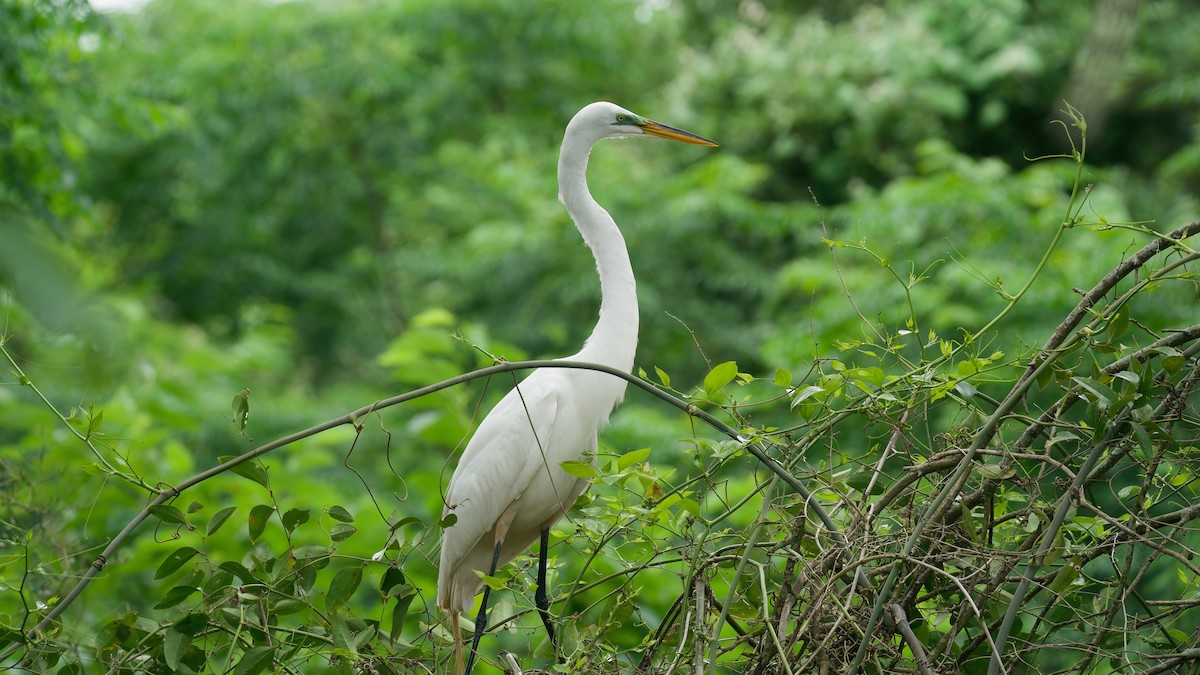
[{"x": 607, "y": 120}]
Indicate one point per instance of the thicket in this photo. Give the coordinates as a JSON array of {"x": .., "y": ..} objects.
[{"x": 908, "y": 398}]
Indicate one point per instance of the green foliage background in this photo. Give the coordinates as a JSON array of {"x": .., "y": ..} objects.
[{"x": 329, "y": 203}]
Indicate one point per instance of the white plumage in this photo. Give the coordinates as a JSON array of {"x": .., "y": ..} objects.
[{"x": 509, "y": 486}]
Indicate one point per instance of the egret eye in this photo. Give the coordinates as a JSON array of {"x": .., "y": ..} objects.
[{"x": 621, "y": 118}]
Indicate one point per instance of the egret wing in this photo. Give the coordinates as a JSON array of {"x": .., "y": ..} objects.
[{"x": 500, "y": 462}]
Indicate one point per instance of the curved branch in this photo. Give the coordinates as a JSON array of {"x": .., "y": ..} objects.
[{"x": 352, "y": 418}]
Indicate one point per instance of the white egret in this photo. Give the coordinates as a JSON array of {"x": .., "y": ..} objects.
[{"x": 509, "y": 487}]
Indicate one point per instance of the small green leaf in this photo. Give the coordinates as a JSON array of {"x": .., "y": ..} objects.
[
  {"x": 1101, "y": 394},
  {"x": 239, "y": 570},
  {"x": 1127, "y": 375},
  {"x": 392, "y": 578},
  {"x": 241, "y": 409},
  {"x": 1064, "y": 578},
  {"x": 802, "y": 394},
  {"x": 632, "y": 457},
  {"x": 965, "y": 389},
  {"x": 175, "y": 644},
  {"x": 872, "y": 375},
  {"x": 994, "y": 471},
  {"x": 448, "y": 520},
  {"x": 175, "y": 596},
  {"x": 579, "y": 469},
  {"x": 192, "y": 623},
  {"x": 662, "y": 376},
  {"x": 254, "y": 661},
  {"x": 219, "y": 519},
  {"x": 690, "y": 506},
  {"x": 783, "y": 377},
  {"x": 399, "y": 612},
  {"x": 250, "y": 470},
  {"x": 289, "y": 606},
  {"x": 294, "y": 518},
  {"x": 94, "y": 421},
  {"x": 342, "y": 637},
  {"x": 1033, "y": 522},
  {"x": 1145, "y": 444},
  {"x": 342, "y": 531},
  {"x": 721, "y": 375},
  {"x": 259, "y": 516},
  {"x": 494, "y": 583},
  {"x": 1129, "y": 491},
  {"x": 1119, "y": 323},
  {"x": 310, "y": 552},
  {"x": 339, "y": 513},
  {"x": 174, "y": 561},
  {"x": 344, "y": 583},
  {"x": 169, "y": 514}
]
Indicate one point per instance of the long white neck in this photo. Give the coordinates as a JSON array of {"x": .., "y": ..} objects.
[{"x": 614, "y": 339}]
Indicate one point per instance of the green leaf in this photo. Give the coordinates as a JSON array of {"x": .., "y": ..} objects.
[
  {"x": 662, "y": 376},
  {"x": 289, "y": 606},
  {"x": 632, "y": 457},
  {"x": 240, "y": 571},
  {"x": 399, "y": 612},
  {"x": 94, "y": 421},
  {"x": 690, "y": 506},
  {"x": 175, "y": 644},
  {"x": 254, "y": 661},
  {"x": 310, "y": 552},
  {"x": 1129, "y": 376},
  {"x": 968, "y": 523},
  {"x": 341, "y": 532},
  {"x": 1064, "y": 578},
  {"x": 294, "y": 518},
  {"x": 339, "y": 513},
  {"x": 175, "y": 596},
  {"x": 249, "y": 469},
  {"x": 392, "y": 577},
  {"x": 1145, "y": 444},
  {"x": 802, "y": 394},
  {"x": 872, "y": 375},
  {"x": 721, "y": 375},
  {"x": 241, "y": 409},
  {"x": 448, "y": 520},
  {"x": 169, "y": 514},
  {"x": 495, "y": 583},
  {"x": 1101, "y": 394},
  {"x": 174, "y": 561},
  {"x": 783, "y": 377},
  {"x": 259, "y": 515},
  {"x": 342, "y": 638},
  {"x": 579, "y": 469},
  {"x": 344, "y": 583},
  {"x": 219, "y": 519},
  {"x": 994, "y": 471},
  {"x": 191, "y": 623},
  {"x": 1119, "y": 323}
]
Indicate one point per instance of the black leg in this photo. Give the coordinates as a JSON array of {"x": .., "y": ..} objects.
[
  {"x": 540, "y": 598},
  {"x": 481, "y": 617}
]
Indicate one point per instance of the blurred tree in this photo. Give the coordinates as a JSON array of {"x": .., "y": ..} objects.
[{"x": 332, "y": 158}]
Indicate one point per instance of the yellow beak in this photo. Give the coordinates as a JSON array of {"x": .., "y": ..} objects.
[{"x": 663, "y": 131}]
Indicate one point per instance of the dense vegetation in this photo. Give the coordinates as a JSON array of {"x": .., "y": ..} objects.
[{"x": 939, "y": 271}]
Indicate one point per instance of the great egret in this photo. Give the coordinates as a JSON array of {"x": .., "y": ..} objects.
[{"x": 509, "y": 487}]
